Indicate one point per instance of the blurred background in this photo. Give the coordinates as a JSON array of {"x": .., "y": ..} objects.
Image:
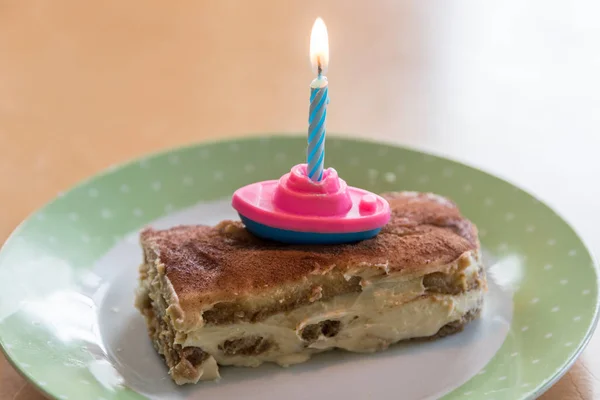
[{"x": 511, "y": 86}]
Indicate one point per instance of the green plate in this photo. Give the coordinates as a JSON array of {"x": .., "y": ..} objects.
[{"x": 67, "y": 276}]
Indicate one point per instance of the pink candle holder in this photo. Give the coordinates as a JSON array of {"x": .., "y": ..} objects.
[{"x": 296, "y": 209}]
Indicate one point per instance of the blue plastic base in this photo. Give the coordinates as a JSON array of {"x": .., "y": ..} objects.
[{"x": 294, "y": 237}]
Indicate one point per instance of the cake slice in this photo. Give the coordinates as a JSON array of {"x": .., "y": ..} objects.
[{"x": 219, "y": 296}]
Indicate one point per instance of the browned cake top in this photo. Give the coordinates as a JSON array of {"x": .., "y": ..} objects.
[{"x": 424, "y": 230}]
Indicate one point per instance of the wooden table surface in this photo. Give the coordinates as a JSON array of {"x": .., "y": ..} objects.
[{"x": 511, "y": 86}]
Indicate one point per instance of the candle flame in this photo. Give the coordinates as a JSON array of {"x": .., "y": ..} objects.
[{"x": 319, "y": 47}]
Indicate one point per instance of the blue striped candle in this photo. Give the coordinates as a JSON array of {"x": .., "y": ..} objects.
[
  {"x": 319, "y": 99},
  {"x": 315, "y": 154}
]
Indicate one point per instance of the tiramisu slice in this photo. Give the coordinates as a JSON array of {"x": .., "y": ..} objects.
[{"x": 220, "y": 296}]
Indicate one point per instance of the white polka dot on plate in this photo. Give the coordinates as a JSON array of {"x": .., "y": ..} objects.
[
  {"x": 93, "y": 192},
  {"x": 106, "y": 213},
  {"x": 585, "y": 292},
  {"x": 188, "y": 180},
  {"x": 525, "y": 385},
  {"x": 249, "y": 168},
  {"x": 509, "y": 216},
  {"x": 173, "y": 159},
  {"x": 548, "y": 335},
  {"x": 551, "y": 242},
  {"x": 124, "y": 188},
  {"x": 555, "y": 309},
  {"x": 156, "y": 186},
  {"x": 234, "y": 147},
  {"x": 525, "y": 328},
  {"x": 488, "y": 201},
  {"x": 568, "y": 344},
  {"x": 502, "y": 378},
  {"x": 447, "y": 172},
  {"x": 138, "y": 212},
  {"x": 514, "y": 354},
  {"x": 400, "y": 168},
  {"x": 390, "y": 177},
  {"x": 423, "y": 179},
  {"x": 467, "y": 187},
  {"x": 535, "y": 361},
  {"x": 85, "y": 238},
  {"x": 577, "y": 318},
  {"x": 534, "y": 300},
  {"x": 572, "y": 253},
  {"x": 529, "y": 228},
  {"x": 143, "y": 163},
  {"x": 73, "y": 216},
  {"x": 218, "y": 175},
  {"x": 63, "y": 397},
  {"x": 42, "y": 383},
  {"x": 548, "y": 267},
  {"x": 564, "y": 281}
]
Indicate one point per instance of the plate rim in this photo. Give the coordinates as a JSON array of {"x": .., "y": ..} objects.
[{"x": 348, "y": 137}]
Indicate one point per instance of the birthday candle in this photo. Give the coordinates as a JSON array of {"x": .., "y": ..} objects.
[{"x": 319, "y": 99}]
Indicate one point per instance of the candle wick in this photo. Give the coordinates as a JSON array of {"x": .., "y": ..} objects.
[{"x": 319, "y": 66}]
